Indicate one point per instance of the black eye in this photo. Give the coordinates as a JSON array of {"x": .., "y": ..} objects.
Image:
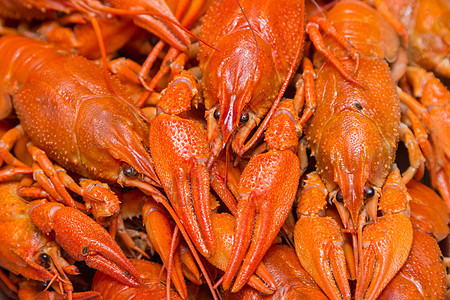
[
  {"x": 339, "y": 197},
  {"x": 369, "y": 192},
  {"x": 129, "y": 171},
  {"x": 244, "y": 117},
  {"x": 60, "y": 14},
  {"x": 45, "y": 260},
  {"x": 84, "y": 251},
  {"x": 217, "y": 114}
]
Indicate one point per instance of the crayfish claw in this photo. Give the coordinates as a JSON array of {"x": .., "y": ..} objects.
[
  {"x": 319, "y": 242},
  {"x": 224, "y": 230},
  {"x": 386, "y": 246},
  {"x": 99, "y": 262},
  {"x": 385, "y": 243},
  {"x": 83, "y": 239},
  {"x": 266, "y": 198},
  {"x": 180, "y": 151},
  {"x": 190, "y": 269},
  {"x": 256, "y": 250},
  {"x": 195, "y": 218},
  {"x": 160, "y": 233},
  {"x": 319, "y": 246}
]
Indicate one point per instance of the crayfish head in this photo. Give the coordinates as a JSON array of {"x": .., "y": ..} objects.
[
  {"x": 47, "y": 264},
  {"x": 354, "y": 157},
  {"x": 119, "y": 137},
  {"x": 234, "y": 88}
]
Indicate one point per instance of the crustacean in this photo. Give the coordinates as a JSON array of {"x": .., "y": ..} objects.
[
  {"x": 354, "y": 135},
  {"x": 33, "y": 253},
  {"x": 429, "y": 117},
  {"x": 427, "y": 23},
  {"x": 242, "y": 79},
  {"x": 117, "y": 161},
  {"x": 118, "y": 156},
  {"x": 356, "y": 237}
]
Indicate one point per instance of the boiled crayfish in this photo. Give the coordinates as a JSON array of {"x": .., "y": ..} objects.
[
  {"x": 242, "y": 79},
  {"x": 354, "y": 135},
  {"x": 363, "y": 229},
  {"x": 33, "y": 254}
]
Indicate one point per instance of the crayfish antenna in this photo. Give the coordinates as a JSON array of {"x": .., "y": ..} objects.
[
  {"x": 159, "y": 231},
  {"x": 160, "y": 198}
]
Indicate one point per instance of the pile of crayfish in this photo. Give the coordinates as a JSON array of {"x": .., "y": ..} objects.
[{"x": 227, "y": 149}]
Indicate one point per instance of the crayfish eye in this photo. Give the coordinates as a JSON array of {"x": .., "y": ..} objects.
[
  {"x": 369, "y": 192},
  {"x": 339, "y": 197},
  {"x": 244, "y": 117},
  {"x": 85, "y": 251},
  {"x": 217, "y": 114},
  {"x": 45, "y": 260},
  {"x": 60, "y": 14},
  {"x": 129, "y": 171}
]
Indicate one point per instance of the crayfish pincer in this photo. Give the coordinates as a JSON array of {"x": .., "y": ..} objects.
[
  {"x": 267, "y": 189},
  {"x": 83, "y": 239},
  {"x": 180, "y": 151},
  {"x": 28, "y": 251}
]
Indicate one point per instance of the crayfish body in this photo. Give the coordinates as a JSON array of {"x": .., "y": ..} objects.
[
  {"x": 354, "y": 135},
  {"x": 98, "y": 132}
]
